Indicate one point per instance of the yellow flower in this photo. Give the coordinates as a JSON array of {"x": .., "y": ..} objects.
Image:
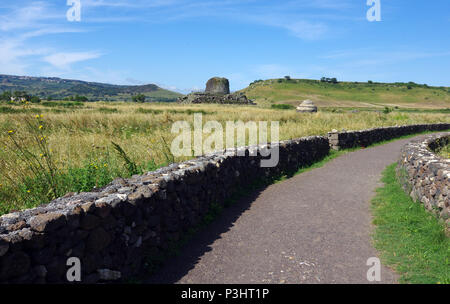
[
  {"x": 41, "y": 155},
  {"x": 10, "y": 131},
  {"x": 40, "y": 127},
  {"x": 37, "y": 116}
]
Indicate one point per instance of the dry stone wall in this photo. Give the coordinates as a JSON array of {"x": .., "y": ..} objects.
[
  {"x": 364, "y": 138},
  {"x": 425, "y": 176},
  {"x": 116, "y": 230}
]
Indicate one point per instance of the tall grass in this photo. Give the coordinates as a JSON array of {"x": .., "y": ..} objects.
[{"x": 78, "y": 142}]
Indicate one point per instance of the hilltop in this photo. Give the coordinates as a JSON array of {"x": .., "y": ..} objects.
[
  {"x": 348, "y": 94},
  {"x": 58, "y": 88}
]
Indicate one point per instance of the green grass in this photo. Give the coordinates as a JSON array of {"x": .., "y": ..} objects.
[
  {"x": 282, "y": 106},
  {"x": 410, "y": 239},
  {"x": 343, "y": 94},
  {"x": 445, "y": 151}
]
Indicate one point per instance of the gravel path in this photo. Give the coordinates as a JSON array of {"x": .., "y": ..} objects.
[{"x": 312, "y": 228}]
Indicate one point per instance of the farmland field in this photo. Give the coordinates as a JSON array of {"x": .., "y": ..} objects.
[{"x": 52, "y": 148}]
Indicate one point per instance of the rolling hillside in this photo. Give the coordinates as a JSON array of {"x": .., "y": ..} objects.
[
  {"x": 348, "y": 94},
  {"x": 58, "y": 88}
]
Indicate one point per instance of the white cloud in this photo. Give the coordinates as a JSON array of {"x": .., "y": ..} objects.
[
  {"x": 64, "y": 60},
  {"x": 26, "y": 17},
  {"x": 307, "y": 30}
]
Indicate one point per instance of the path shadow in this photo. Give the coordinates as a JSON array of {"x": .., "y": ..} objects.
[{"x": 175, "y": 268}]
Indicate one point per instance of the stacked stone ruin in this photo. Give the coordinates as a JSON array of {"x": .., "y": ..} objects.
[{"x": 217, "y": 91}]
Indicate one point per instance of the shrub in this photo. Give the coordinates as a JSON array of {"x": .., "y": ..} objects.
[
  {"x": 35, "y": 99},
  {"x": 138, "y": 98},
  {"x": 282, "y": 106}
]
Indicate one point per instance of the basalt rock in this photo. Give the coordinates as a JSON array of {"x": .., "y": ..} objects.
[
  {"x": 425, "y": 176},
  {"x": 218, "y": 85}
]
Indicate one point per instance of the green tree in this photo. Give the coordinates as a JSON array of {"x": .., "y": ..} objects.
[
  {"x": 6, "y": 96},
  {"x": 138, "y": 98},
  {"x": 35, "y": 99}
]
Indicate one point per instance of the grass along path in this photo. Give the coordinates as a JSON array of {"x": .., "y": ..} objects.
[
  {"x": 410, "y": 240},
  {"x": 445, "y": 151}
]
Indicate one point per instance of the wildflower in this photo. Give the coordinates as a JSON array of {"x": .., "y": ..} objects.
[
  {"x": 40, "y": 127},
  {"x": 10, "y": 132},
  {"x": 37, "y": 116},
  {"x": 41, "y": 155}
]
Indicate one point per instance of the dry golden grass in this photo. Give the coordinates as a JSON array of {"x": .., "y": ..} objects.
[{"x": 77, "y": 136}]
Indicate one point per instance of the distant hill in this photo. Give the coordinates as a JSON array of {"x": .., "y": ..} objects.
[
  {"x": 58, "y": 88},
  {"x": 348, "y": 94}
]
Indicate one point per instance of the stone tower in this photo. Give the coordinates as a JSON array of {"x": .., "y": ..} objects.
[{"x": 218, "y": 85}]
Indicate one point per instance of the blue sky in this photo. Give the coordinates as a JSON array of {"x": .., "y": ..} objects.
[{"x": 179, "y": 44}]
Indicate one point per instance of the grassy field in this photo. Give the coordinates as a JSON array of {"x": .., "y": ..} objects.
[
  {"x": 349, "y": 94},
  {"x": 411, "y": 240},
  {"x": 52, "y": 148}
]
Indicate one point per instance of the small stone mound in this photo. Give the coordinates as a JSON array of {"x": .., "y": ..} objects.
[{"x": 307, "y": 106}]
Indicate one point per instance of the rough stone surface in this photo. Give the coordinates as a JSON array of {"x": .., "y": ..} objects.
[
  {"x": 236, "y": 98},
  {"x": 47, "y": 222},
  {"x": 364, "y": 138},
  {"x": 217, "y": 85},
  {"x": 426, "y": 176}
]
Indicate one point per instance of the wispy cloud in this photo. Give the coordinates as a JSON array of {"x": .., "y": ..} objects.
[
  {"x": 305, "y": 19},
  {"x": 19, "y": 24},
  {"x": 64, "y": 60},
  {"x": 26, "y": 16}
]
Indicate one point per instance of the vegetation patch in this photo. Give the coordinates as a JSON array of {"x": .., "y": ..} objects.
[
  {"x": 444, "y": 151},
  {"x": 64, "y": 104},
  {"x": 411, "y": 240},
  {"x": 282, "y": 106}
]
